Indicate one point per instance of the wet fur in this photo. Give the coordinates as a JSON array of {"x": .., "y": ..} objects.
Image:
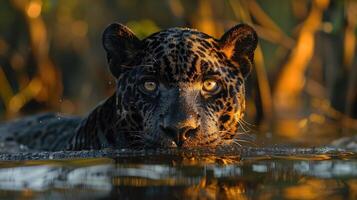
[{"x": 179, "y": 58}]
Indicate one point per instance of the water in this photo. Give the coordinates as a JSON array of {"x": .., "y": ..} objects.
[{"x": 253, "y": 173}]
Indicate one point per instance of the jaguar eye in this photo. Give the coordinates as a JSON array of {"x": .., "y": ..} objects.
[
  {"x": 211, "y": 85},
  {"x": 150, "y": 86}
]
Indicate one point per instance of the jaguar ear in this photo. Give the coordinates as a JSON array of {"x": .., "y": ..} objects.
[
  {"x": 239, "y": 44},
  {"x": 121, "y": 46}
]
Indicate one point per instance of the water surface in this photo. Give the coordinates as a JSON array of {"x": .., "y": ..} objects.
[{"x": 253, "y": 173}]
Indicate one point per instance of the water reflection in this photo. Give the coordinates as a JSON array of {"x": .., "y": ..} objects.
[{"x": 251, "y": 178}]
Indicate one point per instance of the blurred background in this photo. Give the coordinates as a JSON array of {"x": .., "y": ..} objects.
[{"x": 305, "y": 75}]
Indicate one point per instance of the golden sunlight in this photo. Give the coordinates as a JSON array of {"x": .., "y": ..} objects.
[{"x": 34, "y": 9}]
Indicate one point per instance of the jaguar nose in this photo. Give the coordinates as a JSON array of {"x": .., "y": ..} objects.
[{"x": 179, "y": 135}]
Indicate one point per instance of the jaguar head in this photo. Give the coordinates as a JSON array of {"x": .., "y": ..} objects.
[{"x": 180, "y": 87}]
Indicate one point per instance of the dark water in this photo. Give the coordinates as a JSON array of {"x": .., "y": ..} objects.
[{"x": 254, "y": 173}]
